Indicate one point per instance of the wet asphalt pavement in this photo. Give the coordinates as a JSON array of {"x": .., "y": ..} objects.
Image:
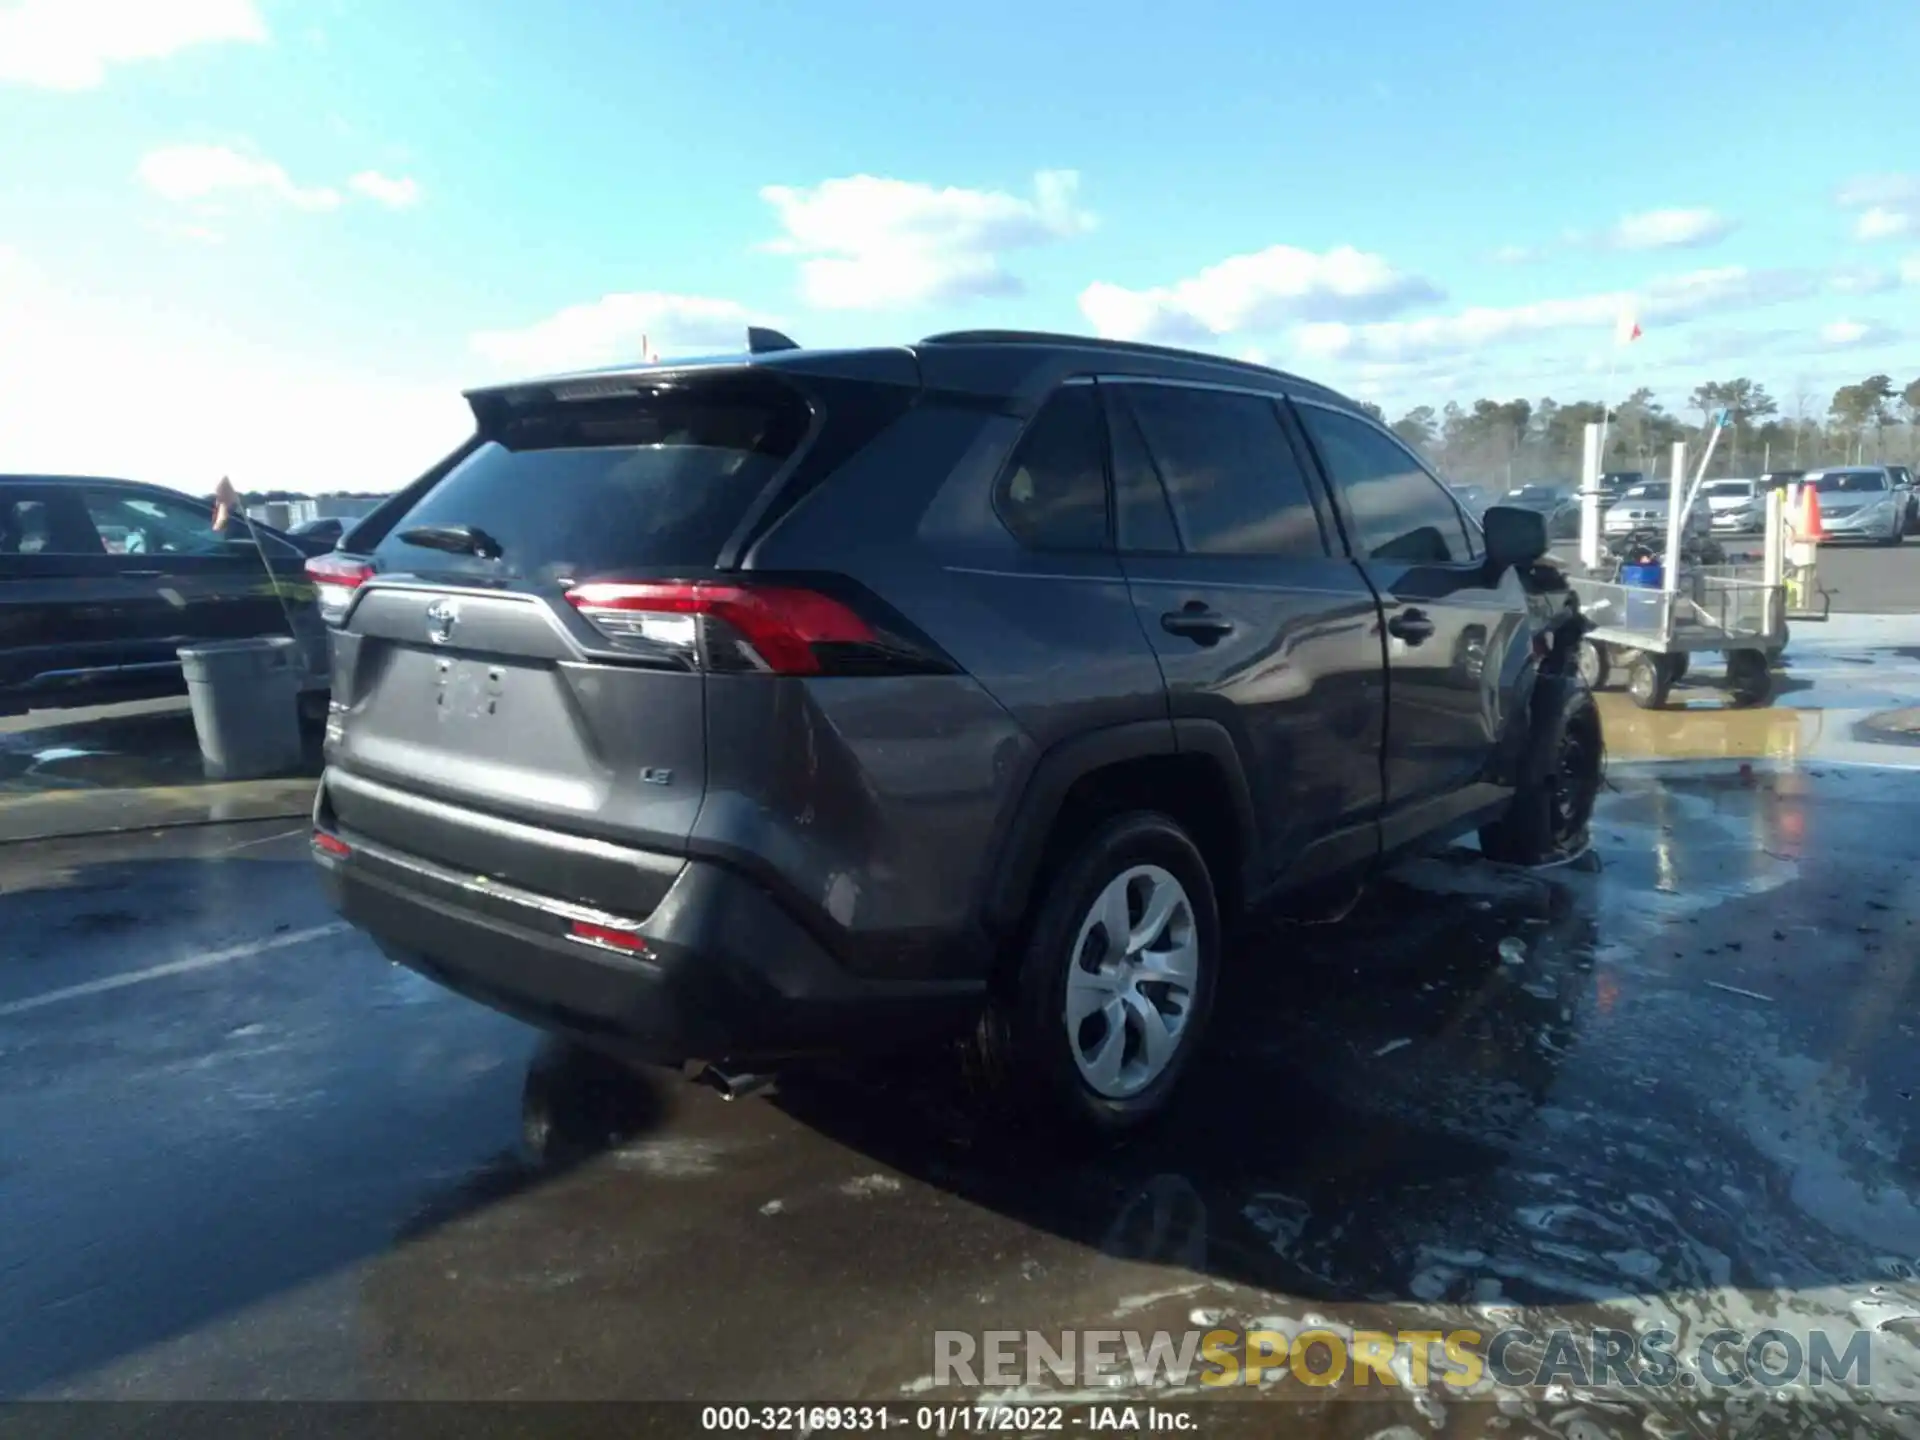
[{"x": 243, "y": 1157}]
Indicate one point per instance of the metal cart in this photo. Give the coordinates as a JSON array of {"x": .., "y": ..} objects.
[{"x": 1654, "y": 633}]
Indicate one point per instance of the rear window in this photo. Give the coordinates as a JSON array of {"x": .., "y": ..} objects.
[
  {"x": 1721, "y": 489},
  {"x": 584, "y": 488}
]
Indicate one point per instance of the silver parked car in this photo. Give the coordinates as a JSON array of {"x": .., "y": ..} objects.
[
  {"x": 1644, "y": 507},
  {"x": 1735, "y": 507},
  {"x": 1860, "y": 502}
]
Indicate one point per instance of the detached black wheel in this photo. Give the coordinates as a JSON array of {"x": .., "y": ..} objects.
[
  {"x": 1552, "y": 806},
  {"x": 1596, "y": 666},
  {"x": 1114, "y": 982},
  {"x": 1648, "y": 681},
  {"x": 1749, "y": 678}
]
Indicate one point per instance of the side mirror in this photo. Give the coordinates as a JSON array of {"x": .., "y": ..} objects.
[{"x": 1515, "y": 537}]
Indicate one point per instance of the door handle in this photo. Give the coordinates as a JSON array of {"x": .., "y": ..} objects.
[
  {"x": 1412, "y": 626},
  {"x": 1198, "y": 623}
]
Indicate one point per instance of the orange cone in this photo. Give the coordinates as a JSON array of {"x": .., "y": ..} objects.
[{"x": 1811, "y": 528}]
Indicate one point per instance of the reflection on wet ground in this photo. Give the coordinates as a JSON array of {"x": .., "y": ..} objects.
[{"x": 1675, "y": 1092}]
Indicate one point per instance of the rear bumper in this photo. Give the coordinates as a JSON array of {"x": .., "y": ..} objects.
[{"x": 723, "y": 972}]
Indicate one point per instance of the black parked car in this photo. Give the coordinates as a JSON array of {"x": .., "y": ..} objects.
[
  {"x": 101, "y": 581},
  {"x": 810, "y": 701}
]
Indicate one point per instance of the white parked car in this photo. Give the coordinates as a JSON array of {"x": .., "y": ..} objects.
[
  {"x": 1736, "y": 507},
  {"x": 1644, "y": 507},
  {"x": 1860, "y": 502}
]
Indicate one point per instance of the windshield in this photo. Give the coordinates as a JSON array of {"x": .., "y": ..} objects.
[
  {"x": 1649, "y": 492},
  {"x": 1723, "y": 489},
  {"x": 1851, "y": 482}
]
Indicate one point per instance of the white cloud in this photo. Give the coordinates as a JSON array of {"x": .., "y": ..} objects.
[
  {"x": 1669, "y": 230},
  {"x": 1910, "y": 270},
  {"x": 395, "y": 192},
  {"x": 1882, "y": 223},
  {"x": 205, "y": 404},
  {"x": 186, "y": 174},
  {"x": 1675, "y": 298},
  {"x": 1889, "y": 205},
  {"x": 1255, "y": 292},
  {"x": 868, "y": 243},
  {"x": 1518, "y": 254},
  {"x": 1862, "y": 280},
  {"x": 609, "y": 331},
  {"x": 71, "y": 44},
  {"x": 1855, "y": 335}
]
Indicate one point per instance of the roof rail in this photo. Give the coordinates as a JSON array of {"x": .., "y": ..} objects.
[{"x": 1094, "y": 342}]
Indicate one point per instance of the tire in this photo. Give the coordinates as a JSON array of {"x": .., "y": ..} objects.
[
  {"x": 1749, "y": 678},
  {"x": 1552, "y": 810},
  {"x": 1648, "y": 681},
  {"x": 1676, "y": 666},
  {"x": 1039, "y": 1066},
  {"x": 1596, "y": 665}
]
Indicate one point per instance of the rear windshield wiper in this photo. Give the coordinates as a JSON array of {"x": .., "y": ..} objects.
[{"x": 454, "y": 539}]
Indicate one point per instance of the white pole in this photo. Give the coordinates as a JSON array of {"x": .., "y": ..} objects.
[
  {"x": 1682, "y": 505},
  {"x": 1671, "y": 578},
  {"x": 1590, "y": 497}
]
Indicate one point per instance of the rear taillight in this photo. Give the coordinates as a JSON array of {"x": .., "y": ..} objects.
[
  {"x": 331, "y": 845},
  {"x": 773, "y": 629},
  {"x": 335, "y": 578}
]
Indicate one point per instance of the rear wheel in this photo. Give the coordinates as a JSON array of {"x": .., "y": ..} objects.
[
  {"x": 1676, "y": 667},
  {"x": 1749, "y": 678},
  {"x": 1648, "y": 681},
  {"x": 1552, "y": 807},
  {"x": 1114, "y": 984},
  {"x": 1596, "y": 666}
]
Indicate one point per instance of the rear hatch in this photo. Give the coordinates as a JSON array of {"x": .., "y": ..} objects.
[{"x": 527, "y": 654}]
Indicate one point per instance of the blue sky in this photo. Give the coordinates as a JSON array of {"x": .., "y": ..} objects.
[{"x": 287, "y": 231}]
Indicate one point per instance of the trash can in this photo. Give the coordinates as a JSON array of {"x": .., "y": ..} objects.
[{"x": 246, "y": 706}]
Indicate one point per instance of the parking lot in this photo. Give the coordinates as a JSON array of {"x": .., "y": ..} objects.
[{"x": 242, "y": 1156}]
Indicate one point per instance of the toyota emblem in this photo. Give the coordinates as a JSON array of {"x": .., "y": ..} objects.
[{"x": 442, "y": 616}]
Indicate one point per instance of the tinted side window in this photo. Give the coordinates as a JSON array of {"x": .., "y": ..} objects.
[
  {"x": 1401, "y": 512},
  {"x": 1053, "y": 493},
  {"x": 24, "y": 527},
  {"x": 1145, "y": 519},
  {"x": 1236, "y": 486},
  {"x": 135, "y": 524}
]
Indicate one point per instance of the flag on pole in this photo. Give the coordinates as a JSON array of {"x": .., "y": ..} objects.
[
  {"x": 1627, "y": 330},
  {"x": 226, "y": 500}
]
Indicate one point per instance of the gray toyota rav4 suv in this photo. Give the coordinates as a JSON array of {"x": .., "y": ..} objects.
[{"x": 804, "y": 702}]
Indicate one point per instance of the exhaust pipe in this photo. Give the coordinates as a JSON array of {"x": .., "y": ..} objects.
[{"x": 732, "y": 1084}]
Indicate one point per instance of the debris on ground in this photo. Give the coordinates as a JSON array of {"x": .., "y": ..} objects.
[{"x": 1736, "y": 990}]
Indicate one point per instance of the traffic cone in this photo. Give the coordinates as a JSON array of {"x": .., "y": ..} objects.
[{"x": 1811, "y": 527}]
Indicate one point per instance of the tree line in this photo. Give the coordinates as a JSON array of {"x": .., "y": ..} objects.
[{"x": 1511, "y": 442}]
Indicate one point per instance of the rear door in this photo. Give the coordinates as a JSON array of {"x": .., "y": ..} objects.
[
  {"x": 469, "y": 674},
  {"x": 63, "y": 610},
  {"x": 1450, "y": 629},
  {"x": 1256, "y": 624}
]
